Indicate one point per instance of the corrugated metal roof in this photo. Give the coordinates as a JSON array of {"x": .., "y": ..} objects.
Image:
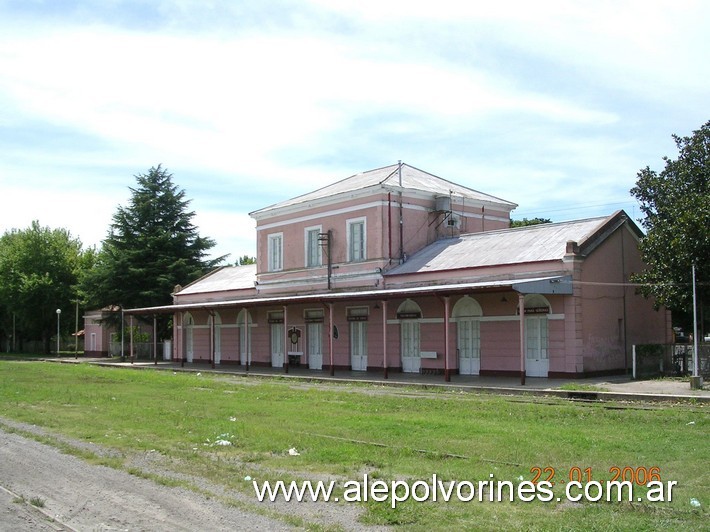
[
  {"x": 227, "y": 278},
  {"x": 362, "y": 295},
  {"x": 507, "y": 246},
  {"x": 388, "y": 177}
]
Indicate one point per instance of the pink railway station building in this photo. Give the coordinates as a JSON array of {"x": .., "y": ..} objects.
[{"x": 398, "y": 270}]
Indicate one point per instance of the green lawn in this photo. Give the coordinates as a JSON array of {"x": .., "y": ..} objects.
[{"x": 346, "y": 430}]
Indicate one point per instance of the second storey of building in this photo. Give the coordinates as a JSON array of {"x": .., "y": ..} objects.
[{"x": 346, "y": 235}]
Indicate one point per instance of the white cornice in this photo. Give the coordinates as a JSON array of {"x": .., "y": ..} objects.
[
  {"x": 363, "y": 206},
  {"x": 374, "y": 190}
]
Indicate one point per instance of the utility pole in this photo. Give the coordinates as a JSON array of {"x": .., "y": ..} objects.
[{"x": 696, "y": 381}]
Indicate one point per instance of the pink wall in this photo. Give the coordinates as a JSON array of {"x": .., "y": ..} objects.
[
  {"x": 611, "y": 311},
  {"x": 585, "y": 330},
  {"x": 92, "y": 326},
  {"x": 500, "y": 347},
  {"x": 381, "y": 210}
]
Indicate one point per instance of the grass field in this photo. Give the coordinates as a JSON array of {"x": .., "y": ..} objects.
[{"x": 344, "y": 431}]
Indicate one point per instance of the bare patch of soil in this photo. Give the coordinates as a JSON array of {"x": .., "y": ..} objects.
[{"x": 77, "y": 495}]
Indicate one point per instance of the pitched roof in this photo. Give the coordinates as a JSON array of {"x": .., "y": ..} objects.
[
  {"x": 535, "y": 243},
  {"x": 388, "y": 178},
  {"x": 226, "y": 278}
]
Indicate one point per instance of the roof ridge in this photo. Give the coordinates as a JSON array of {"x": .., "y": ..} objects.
[
  {"x": 461, "y": 186},
  {"x": 419, "y": 180},
  {"x": 534, "y": 226},
  {"x": 295, "y": 199}
]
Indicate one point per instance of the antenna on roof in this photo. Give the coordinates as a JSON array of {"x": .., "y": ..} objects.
[{"x": 401, "y": 214}]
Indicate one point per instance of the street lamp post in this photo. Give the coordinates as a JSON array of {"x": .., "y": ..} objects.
[
  {"x": 59, "y": 313},
  {"x": 76, "y": 331}
]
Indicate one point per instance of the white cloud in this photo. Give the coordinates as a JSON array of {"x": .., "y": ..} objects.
[{"x": 534, "y": 101}]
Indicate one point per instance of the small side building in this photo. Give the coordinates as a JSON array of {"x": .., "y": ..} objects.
[{"x": 97, "y": 331}]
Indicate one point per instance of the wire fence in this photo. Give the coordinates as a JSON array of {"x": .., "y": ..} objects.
[
  {"x": 669, "y": 360},
  {"x": 141, "y": 350}
]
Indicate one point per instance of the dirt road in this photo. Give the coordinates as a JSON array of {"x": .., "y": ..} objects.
[{"x": 81, "y": 496}]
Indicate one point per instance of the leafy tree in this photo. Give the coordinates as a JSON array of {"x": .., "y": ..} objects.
[
  {"x": 152, "y": 246},
  {"x": 39, "y": 270},
  {"x": 245, "y": 259},
  {"x": 676, "y": 206},
  {"x": 532, "y": 221}
]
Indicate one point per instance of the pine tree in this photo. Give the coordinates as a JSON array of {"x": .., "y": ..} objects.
[{"x": 152, "y": 246}]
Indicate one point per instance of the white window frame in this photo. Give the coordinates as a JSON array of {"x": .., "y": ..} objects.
[
  {"x": 307, "y": 251},
  {"x": 349, "y": 224},
  {"x": 276, "y": 261}
]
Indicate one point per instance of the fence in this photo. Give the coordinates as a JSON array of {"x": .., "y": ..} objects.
[
  {"x": 141, "y": 350},
  {"x": 37, "y": 347},
  {"x": 662, "y": 360}
]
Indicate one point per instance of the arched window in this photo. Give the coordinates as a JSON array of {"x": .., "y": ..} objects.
[
  {"x": 467, "y": 307},
  {"x": 409, "y": 310},
  {"x": 538, "y": 303}
]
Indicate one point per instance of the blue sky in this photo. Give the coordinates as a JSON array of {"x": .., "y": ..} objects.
[{"x": 552, "y": 105}]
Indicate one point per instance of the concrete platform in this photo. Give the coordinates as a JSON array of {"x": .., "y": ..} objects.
[{"x": 610, "y": 388}]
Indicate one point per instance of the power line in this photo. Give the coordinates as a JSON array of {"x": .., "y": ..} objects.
[
  {"x": 636, "y": 285},
  {"x": 574, "y": 208}
]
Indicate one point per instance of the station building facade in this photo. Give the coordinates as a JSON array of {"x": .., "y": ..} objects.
[{"x": 398, "y": 270}]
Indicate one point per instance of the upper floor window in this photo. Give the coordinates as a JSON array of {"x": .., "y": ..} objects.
[
  {"x": 356, "y": 240},
  {"x": 313, "y": 248},
  {"x": 276, "y": 252}
]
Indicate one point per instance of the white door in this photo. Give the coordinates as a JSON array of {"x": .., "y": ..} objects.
[
  {"x": 217, "y": 338},
  {"x": 411, "y": 359},
  {"x": 469, "y": 346},
  {"x": 244, "y": 345},
  {"x": 189, "y": 338},
  {"x": 358, "y": 345},
  {"x": 314, "y": 331},
  {"x": 536, "y": 361},
  {"x": 277, "y": 345},
  {"x": 217, "y": 344},
  {"x": 244, "y": 336}
]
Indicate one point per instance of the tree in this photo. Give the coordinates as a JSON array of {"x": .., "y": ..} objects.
[
  {"x": 676, "y": 206},
  {"x": 39, "y": 271},
  {"x": 245, "y": 259},
  {"x": 533, "y": 221},
  {"x": 152, "y": 246}
]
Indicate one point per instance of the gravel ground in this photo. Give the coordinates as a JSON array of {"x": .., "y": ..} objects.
[
  {"x": 74, "y": 494},
  {"x": 82, "y": 496},
  {"x": 17, "y": 514},
  {"x": 678, "y": 388}
]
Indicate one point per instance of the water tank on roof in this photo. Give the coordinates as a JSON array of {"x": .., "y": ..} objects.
[{"x": 443, "y": 203}]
